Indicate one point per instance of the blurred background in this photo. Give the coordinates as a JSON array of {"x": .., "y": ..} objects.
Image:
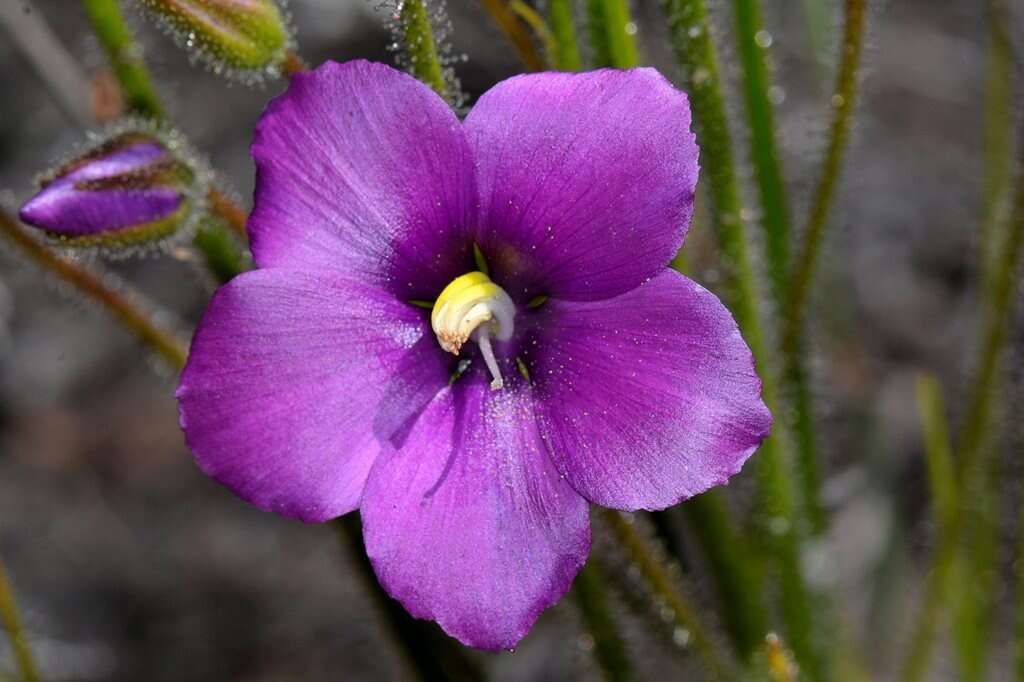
[{"x": 132, "y": 565}]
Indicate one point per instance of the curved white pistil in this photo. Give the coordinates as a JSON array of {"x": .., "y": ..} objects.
[{"x": 474, "y": 307}]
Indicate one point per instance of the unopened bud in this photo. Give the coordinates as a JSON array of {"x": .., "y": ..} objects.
[
  {"x": 247, "y": 36},
  {"x": 130, "y": 189}
]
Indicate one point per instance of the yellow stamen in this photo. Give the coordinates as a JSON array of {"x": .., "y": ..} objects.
[{"x": 473, "y": 306}]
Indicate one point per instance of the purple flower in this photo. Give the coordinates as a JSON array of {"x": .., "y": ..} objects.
[
  {"x": 587, "y": 371},
  {"x": 127, "y": 189}
]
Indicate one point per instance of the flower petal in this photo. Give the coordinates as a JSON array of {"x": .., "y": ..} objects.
[
  {"x": 469, "y": 523},
  {"x": 363, "y": 170},
  {"x": 586, "y": 180},
  {"x": 281, "y": 400},
  {"x": 648, "y": 398}
]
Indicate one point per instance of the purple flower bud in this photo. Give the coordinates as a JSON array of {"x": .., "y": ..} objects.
[
  {"x": 130, "y": 189},
  {"x": 233, "y": 35}
]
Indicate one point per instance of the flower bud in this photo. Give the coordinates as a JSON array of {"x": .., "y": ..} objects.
[
  {"x": 233, "y": 35},
  {"x": 130, "y": 189}
]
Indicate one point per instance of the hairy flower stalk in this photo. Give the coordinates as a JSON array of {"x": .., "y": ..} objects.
[
  {"x": 628, "y": 387},
  {"x": 125, "y": 307}
]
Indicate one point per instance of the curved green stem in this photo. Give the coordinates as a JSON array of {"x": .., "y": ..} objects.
[
  {"x": 11, "y": 620},
  {"x": 506, "y": 20},
  {"x": 125, "y": 57},
  {"x": 643, "y": 556},
  {"x": 753, "y": 41},
  {"x": 612, "y": 31},
  {"x": 124, "y": 307},
  {"x": 609, "y": 649},
  {"x": 844, "y": 103},
  {"x": 563, "y": 26},
  {"x": 938, "y": 451},
  {"x": 998, "y": 124}
]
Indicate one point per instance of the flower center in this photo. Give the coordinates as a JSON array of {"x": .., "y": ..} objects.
[{"x": 474, "y": 307}]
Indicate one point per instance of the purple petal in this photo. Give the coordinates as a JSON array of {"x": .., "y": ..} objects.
[
  {"x": 648, "y": 398},
  {"x": 586, "y": 180},
  {"x": 469, "y": 523},
  {"x": 64, "y": 207},
  {"x": 281, "y": 400},
  {"x": 363, "y": 170}
]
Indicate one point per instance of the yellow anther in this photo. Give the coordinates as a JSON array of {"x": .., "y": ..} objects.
[{"x": 472, "y": 306}]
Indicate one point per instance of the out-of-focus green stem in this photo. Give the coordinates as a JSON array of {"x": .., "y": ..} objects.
[
  {"x": 612, "y": 32},
  {"x": 938, "y": 450},
  {"x": 969, "y": 446},
  {"x": 737, "y": 576},
  {"x": 753, "y": 41},
  {"x": 1018, "y": 625},
  {"x": 421, "y": 46},
  {"x": 998, "y": 124},
  {"x": 657, "y": 577},
  {"x": 843, "y": 102},
  {"x": 807, "y": 467},
  {"x": 429, "y": 652},
  {"x": 11, "y": 620},
  {"x": 125, "y": 308},
  {"x": 540, "y": 28},
  {"x": 125, "y": 57},
  {"x": 506, "y": 20},
  {"x": 609, "y": 649},
  {"x": 793, "y": 345},
  {"x": 975, "y": 593},
  {"x": 563, "y": 26},
  {"x": 818, "y": 17},
  {"x": 695, "y": 52}
]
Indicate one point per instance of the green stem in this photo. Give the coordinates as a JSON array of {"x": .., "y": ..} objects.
[
  {"x": 970, "y": 467},
  {"x": 817, "y": 16},
  {"x": 1018, "y": 625},
  {"x": 563, "y": 26},
  {"x": 124, "y": 307},
  {"x": 792, "y": 344},
  {"x": 11, "y": 620},
  {"x": 938, "y": 450},
  {"x": 540, "y": 28},
  {"x": 612, "y": 32},
  {"x": 589, "y": 590},
  {"x": 808, "y": 474},
  {"x": 998, "y": 124},
  {"x": 753, "y": 42},
  {"x": 421, "y": 47},
  {"x": 125, "y": 57},
  {"x": 690, "y": 31},
  {"x": 843, "y": 103},
  {"x": 643, "y": 556},
  {"x": 736, "y": 574},
  {"x": 507, "y": 20},
  {"x": 428, "y": 651}
]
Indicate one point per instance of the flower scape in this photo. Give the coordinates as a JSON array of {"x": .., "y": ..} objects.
[{"x": 468, "y": 332}]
